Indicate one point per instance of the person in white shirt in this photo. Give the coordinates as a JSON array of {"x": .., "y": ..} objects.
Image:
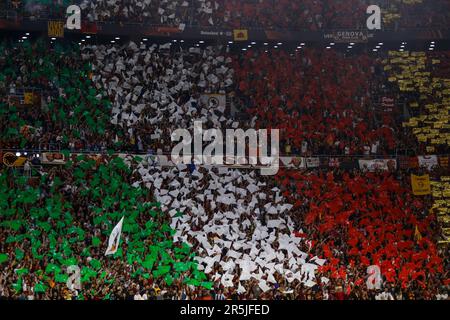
[{"x": 385, "y": 295}]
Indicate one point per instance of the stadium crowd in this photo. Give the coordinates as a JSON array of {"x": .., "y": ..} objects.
[
  {"x": 269, "y": 14},
  {"x": 207, "y": 233}
]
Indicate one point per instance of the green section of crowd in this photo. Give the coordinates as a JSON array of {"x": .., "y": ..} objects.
[
  {"x": 76, "y": 105},
  {"x": 51, "y": 227}
]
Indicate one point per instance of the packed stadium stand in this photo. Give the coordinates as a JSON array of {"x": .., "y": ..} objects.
[{"x": 86, "y": 123}]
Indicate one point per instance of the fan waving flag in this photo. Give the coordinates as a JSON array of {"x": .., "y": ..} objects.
[{"x": 114, "y": 239}]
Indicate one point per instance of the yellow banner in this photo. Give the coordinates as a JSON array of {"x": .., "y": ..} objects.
[
  {"x": 420, "y": 185},
  {"x": 56, "y": 29},
  {"x": 11, "y": 160},
  {"x": 240, "y": 34},
  {"x": 28, "y": 98}
]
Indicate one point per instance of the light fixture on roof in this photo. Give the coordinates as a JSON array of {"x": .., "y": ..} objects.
[
  {"x": 17, "y": 154},
  {"x": 197, "y": 45},
  {"x": 328, "y": 47},
  {"x": 299, "y": 47},
  {"x": 380, "y": 43},
  {"x": 24, "y": 38},
  {"x": 201, "y": 41},
  {"x": 112, "y": 41},
  {"x": 375, "y": 50},
  {"x": 401, "y": 50},
  {"x": 88, "y": 37},
  {"x": 352, "y": 43},
  {"x": 249, "y": 46},
  {"x": 79, "y": 43},
  {"x": 53, "y": 39},
  {"x": 349, "y": 47},
  {"x": 253, "y": 42},
  {"x": 266, "y": 44},
  {"x": 378, "y": 47},
  {"x": 279, "y": 43},
  {"x": 244, "y": 49},
  {"x": 302, "y": 44},
  {"x": 27, "y": 34},
  {"x": 117, "y": 38},
  {"x": 332, "y": 44},
  {"x": 431, "y": 49},
  {"x": 276, "y": 47},
  {"x": 181, "y": 41},
  {"x": 432, "y": 45},
  {"x": 230, "y": 42},
  {"x": 82, "y": 40},
  {"x": 174, "y": 40},
  {"x": 145, "y": 39}
]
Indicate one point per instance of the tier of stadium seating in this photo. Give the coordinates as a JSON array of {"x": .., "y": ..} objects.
[
  {"x": 134, "y": 96},
  {"x": 269, "y": 14}
]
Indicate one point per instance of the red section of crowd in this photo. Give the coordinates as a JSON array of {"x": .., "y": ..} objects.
[
  {"x": 320, "y": 100},
  {"x": 358, "y": 220}
]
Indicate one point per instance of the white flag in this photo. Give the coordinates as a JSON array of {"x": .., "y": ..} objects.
[{"x": 114, "y": 238}]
